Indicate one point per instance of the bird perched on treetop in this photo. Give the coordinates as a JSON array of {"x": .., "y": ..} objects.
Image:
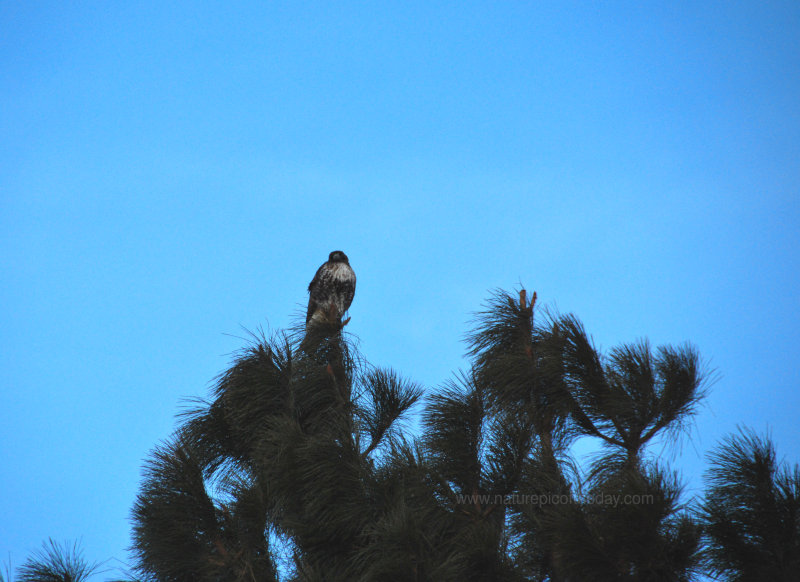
[{"x": 332, "y": 289}]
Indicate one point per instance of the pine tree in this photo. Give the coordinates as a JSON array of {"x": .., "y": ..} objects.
[
  {"x": 56, "y": 562},
  {"x": 301, "y": 448},
  {"x": 751, "y": 512}
]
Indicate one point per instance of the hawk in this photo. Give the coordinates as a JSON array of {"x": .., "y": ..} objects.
[{"x": 332, "y": 289}]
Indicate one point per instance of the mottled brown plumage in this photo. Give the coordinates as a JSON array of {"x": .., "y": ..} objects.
[{"x": 332, "y": 289}]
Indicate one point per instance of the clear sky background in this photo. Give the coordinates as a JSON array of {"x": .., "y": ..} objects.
[{"x": 172, "y": 172}]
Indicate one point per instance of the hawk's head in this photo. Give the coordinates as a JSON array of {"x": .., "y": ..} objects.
[{"x": 338, "y": 257}]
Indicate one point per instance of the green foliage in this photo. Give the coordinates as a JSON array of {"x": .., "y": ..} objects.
[
  {"x": 752, "y": 512},
  {"x": 289, "y": 444},
  {"x": 631, "y": 395},
  {"x": 301, "y": 449},
  {"x": 56, "y": 563}
]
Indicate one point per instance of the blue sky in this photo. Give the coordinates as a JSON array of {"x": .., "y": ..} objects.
[{"x": 170, "y": 175}]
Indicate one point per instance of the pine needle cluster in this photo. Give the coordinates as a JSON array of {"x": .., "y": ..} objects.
[{"x": 299, "y": 467}]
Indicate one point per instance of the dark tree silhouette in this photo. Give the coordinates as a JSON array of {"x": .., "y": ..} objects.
[
  {"x": 623, "y": 521},
  {"x": 56, "y": 562},
  {"x": 751, "y": 512},
  {"x": 301, "y": 450}
]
